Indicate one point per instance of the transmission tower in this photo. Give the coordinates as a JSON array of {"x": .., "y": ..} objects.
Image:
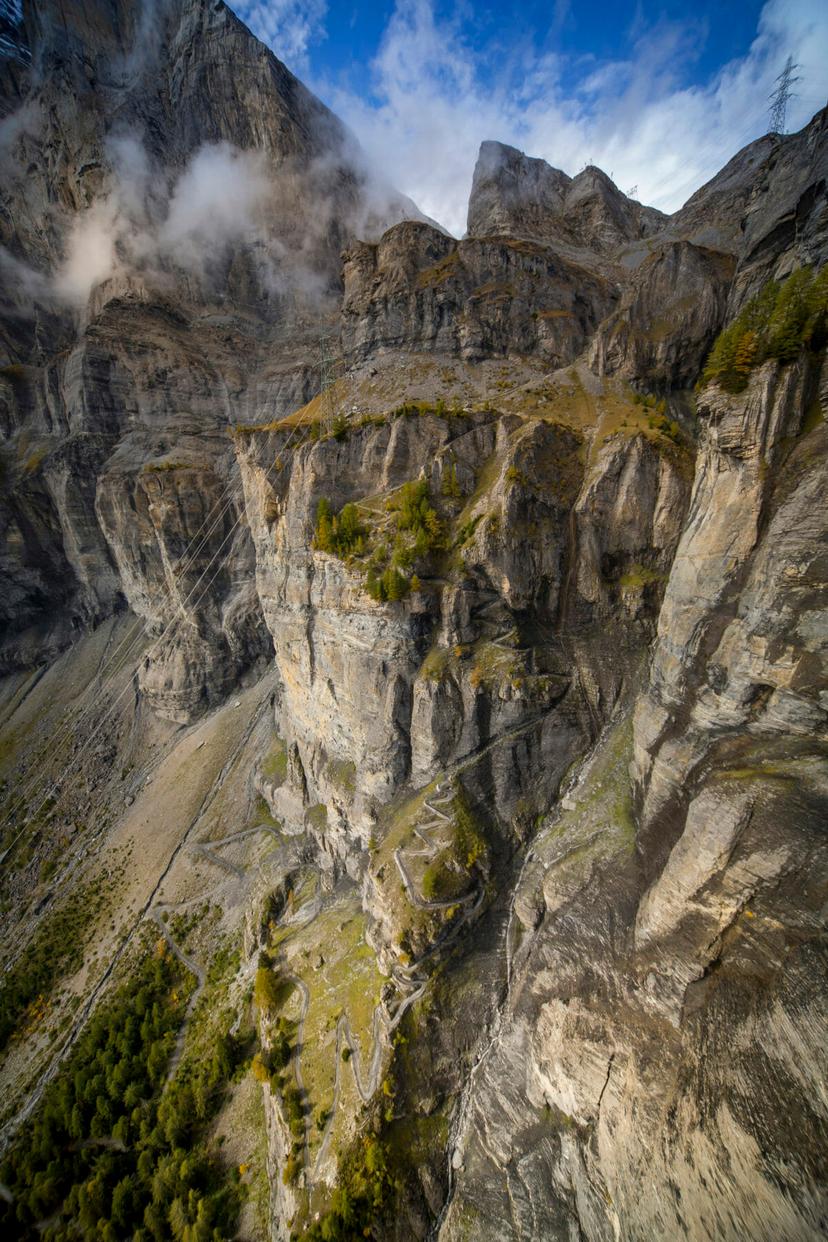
[
  {"x": 779, "y": 98},
  {"x": 327, "y": 379}
]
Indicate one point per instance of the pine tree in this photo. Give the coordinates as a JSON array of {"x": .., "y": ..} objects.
[
  {"x": 323, "y": 539},
  {"x": 786, "y": 328},
  {"x": 743, "y": 360},
  {"x": 395, "y": 586},
  {"x": 719, "y": 366}
]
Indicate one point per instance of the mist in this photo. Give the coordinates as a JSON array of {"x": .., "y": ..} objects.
[{"x": 145, "y": 224}]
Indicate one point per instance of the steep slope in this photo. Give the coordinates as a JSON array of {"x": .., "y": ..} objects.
[{"x": 639, "y": 1068}]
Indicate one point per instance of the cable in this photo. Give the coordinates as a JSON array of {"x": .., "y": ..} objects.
[
  {"x": 224, "y": 504},
  {"x": 123, "y": 652},
  {"x": 164, "y": 636}
]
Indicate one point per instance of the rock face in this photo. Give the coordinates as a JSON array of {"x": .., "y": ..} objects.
[
  {"x": 536, "y": 637},
  {"x": 478, "y": 298},
  {"x": 668, "y": 316},
  {"x": 161, "y": 278},
  {"x": 515, "y": 195},
  {"x": 606, "y": 1091}
]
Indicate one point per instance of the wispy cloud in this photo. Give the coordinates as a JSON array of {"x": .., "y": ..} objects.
[
  {"x": 434, "y": 97},
  {"x": 286, "y": 26},
  {"x": 143, "y": 224}
]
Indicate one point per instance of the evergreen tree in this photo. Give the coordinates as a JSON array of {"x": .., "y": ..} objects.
[
  {"x": 323, "y": 540},
  {"x": 743, "y": 359}
]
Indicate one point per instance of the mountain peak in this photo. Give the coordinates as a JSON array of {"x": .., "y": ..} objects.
[{"x": 523, "y": 196}]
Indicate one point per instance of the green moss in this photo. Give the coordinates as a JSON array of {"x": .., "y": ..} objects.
[
  {"x": 442, "y": 880},
  {"x": 494, "y": 290},
  {"x": 439, "y": 273},
  {"x": 334, "y": 960},
  {"x": 343, "y": 773},
  {"x": 639, "y": 576},
  {"x": 813, "y": 417},
  {"x": 436, "y": 664},
  {"x": 492, "y": 665},
  {"x": 317, "y": 816},
  {"x": 604, "y": 802},
  {"x": 274, "y": 765}
]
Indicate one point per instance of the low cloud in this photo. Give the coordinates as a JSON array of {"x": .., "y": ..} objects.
[
  {"x": 217, "y": 200},
  {"x": 90, "y": 252},
  {"x": 144, "y": 224},
  {"x": 292, "y": 222},
  {"x": 433, "y": 99},
  {"x": 25, "y": 121}
]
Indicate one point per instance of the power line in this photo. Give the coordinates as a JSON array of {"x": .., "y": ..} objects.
[
  {"x": 779, "y": 98},
  {"x": 55, "y": 786},
  {"x": 88, "y": 700},
  {"x": 329, "y": 371}
]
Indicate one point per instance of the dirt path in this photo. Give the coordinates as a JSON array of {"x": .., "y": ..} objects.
[{"x": 420, "y": 902}]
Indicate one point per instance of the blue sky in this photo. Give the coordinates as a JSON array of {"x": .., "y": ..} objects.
[{"x": 658, "y": 95}]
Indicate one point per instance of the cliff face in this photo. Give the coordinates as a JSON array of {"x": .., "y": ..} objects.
[
  {"x": 515, "y": 195},
  {"x": 481, "y": 691},
  {"x": 645, "y": 1042},
  {"x": 162, "y": 274},
  {"x": 478, "y": 298}
]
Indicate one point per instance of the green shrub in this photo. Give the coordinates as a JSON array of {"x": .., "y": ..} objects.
[
  {"x": 778, "y": 323},
  {"x": 361, "y": 1202},
  {"x": 419, "y": 531},
  {"x": 55, "y": 950},
  {"x": 342, "y": 534},
  {"x": 270, "y": 991},
  {"x": 442, "y": 881},
  {"x": 449, "y": 485},
  {"x": 416, "y": 514}
]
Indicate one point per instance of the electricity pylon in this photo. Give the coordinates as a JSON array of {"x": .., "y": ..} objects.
[
  {"x": 779, "y": 98},
  {"x": 327, "y": 379}
]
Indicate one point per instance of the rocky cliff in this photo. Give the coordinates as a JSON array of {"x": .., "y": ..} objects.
[{"x": 414, "y": 650}]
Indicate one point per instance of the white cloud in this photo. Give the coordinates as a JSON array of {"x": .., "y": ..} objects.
[
  {"x": 90, "y": 252},
  {"x": 140, "y": 223},
  {"x": 216, "y": 201},
  {"x": 286, "y": 26},
  {"x": 438, "y": 98}
]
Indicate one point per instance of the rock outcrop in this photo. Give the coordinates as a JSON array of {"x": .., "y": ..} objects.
[
  {"x": 479, "y": 298},
  {"x": 609, "y": 1057},
  {"x": 517, "y": 196},
  {"x": 668, "y": 317}
]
